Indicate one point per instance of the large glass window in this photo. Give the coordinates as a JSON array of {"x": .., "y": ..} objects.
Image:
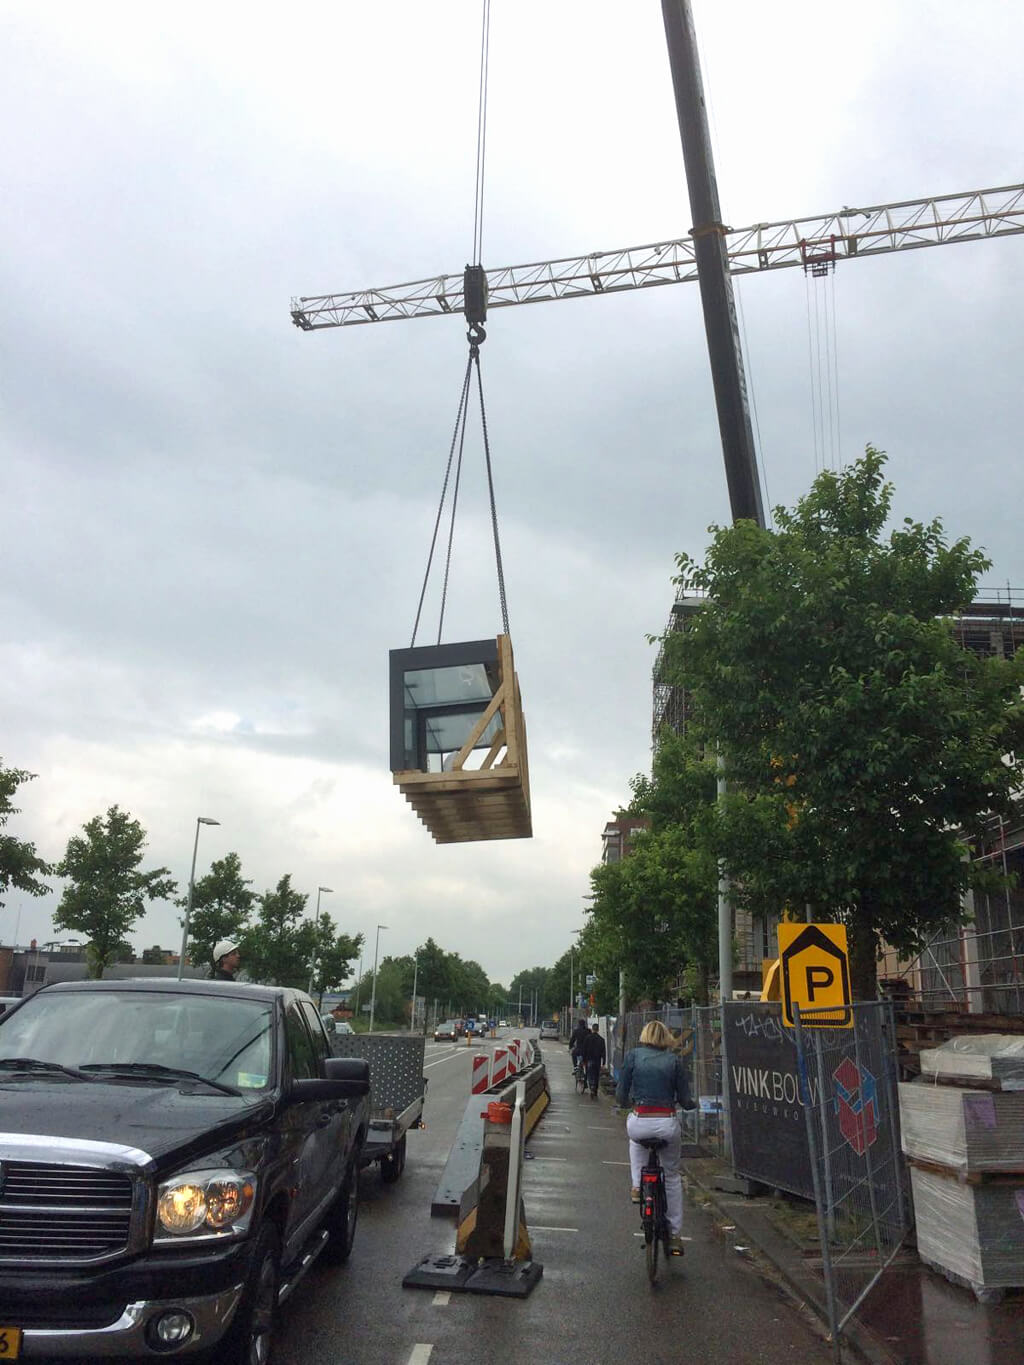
[{"x": 442, "y": 705}]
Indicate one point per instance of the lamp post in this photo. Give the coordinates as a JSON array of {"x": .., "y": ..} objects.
[
  {"x": 415, "y": 975},
  {"x": 316, "y": 935},
  {"x": 200, "y": 820},
  {"x": 373, "y": 992}
]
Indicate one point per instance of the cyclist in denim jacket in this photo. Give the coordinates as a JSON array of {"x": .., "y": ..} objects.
[{"x": 654, "y": 1078}]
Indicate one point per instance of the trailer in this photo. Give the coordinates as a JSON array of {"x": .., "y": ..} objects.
[{"x": 398, "y": 1090}]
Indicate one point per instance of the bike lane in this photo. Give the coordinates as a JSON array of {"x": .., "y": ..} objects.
[{"x": 594, "y": 1302}]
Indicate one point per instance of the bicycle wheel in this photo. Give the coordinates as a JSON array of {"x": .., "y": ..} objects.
[
  {"x": 581, "y": 1079},
  {"x": 651, "y": 1249}
]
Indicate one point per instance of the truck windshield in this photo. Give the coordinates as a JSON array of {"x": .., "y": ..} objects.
[{"x": 219, "y": 1038}]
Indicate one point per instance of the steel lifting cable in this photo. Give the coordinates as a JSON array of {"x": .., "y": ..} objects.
[
  {"x": 460, "y": 426},
  {"x": 475, "y": 301}
]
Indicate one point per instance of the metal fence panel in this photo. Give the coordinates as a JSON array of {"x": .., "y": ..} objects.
[{"x": 848, "y": 1077}]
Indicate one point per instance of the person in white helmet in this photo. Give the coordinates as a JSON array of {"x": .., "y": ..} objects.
[{"x": 226, "y": 958}]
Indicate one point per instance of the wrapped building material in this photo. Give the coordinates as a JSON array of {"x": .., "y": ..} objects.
[
  {"x": 992, "y": 1060},
  {"x": 973, "y": 1233},
  {"x": 970, "y": 1131}
]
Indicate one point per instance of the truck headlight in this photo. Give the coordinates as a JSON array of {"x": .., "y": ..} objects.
[{"x": 205, "y": 1204}]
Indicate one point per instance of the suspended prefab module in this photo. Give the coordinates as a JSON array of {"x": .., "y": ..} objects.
[{"x": 448, "y": 703}]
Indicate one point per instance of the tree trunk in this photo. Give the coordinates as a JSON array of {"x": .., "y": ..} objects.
[{"x": 863, "y": 942}]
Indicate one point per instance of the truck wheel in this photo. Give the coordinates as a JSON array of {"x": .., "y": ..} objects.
[
  {"x": 392, "y": 1165},
  {"x": 248, "y": 1340},
  {"x": 341, "y": 1218}
]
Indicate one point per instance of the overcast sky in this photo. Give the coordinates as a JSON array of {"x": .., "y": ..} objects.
[{"x": 215, "y": 526}]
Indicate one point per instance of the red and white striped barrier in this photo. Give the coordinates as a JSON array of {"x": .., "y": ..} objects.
[
  {"x": 500, "y": 1065},
  {"x": 515, "y": 1048},
  {"x": 481, "y": 1068}
]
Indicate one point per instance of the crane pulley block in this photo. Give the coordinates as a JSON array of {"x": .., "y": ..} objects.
[{"x": 474, "y": 301}]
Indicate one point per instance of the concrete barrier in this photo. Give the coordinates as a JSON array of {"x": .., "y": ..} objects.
[{"x": 462, "y": 1168}]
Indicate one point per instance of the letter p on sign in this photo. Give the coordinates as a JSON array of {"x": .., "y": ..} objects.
[{"x": 815, "y": 972}]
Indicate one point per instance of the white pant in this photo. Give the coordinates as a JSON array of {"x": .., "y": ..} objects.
[{"x": 663, "y": 1126}]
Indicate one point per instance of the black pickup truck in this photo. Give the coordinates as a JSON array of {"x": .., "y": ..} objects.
[{"x": 173, "y": 1157}]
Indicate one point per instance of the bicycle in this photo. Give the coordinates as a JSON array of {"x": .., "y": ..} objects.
[
  {"x": 653, "y": 1206},
  {"x": 579, "y": 1075}
]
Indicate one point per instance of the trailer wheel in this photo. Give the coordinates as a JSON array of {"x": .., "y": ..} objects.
[{"x": 392, "y": 1165}]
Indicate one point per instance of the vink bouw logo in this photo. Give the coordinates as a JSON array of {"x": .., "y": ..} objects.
[{"x": 856, "y": 1104}]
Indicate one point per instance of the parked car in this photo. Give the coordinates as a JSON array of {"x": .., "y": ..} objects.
[
  {"x": 446, "y": 1032},
  {"x": 332, "y": 1025},
  {"x": 503, "y": 1023},
  {"x": 176, "y": 1155},
  {"x": 549, "y": 1029}
]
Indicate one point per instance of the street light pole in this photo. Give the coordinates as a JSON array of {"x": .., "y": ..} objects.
[
  {"x": 373, "y": 992},
  {"x": 415, "y": 976},
  {"x": 200, "y": 820},
  {"x": 316, "y": 935}
]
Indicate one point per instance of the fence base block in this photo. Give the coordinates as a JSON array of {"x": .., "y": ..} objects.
[
  {"x": 509, "y": 1279},
  {"x": 463, "y": 1275},
  {"x": 440, "y": 1272},
  {"x": 732, "y": 1183}
]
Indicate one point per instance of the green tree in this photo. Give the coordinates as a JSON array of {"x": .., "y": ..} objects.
[
  {"x": 107, "y": 892},
  {"x": 533, "y": 980},
  {"x": 434, "y": 978},
  {"x": 392, "y": 1001},
  {"x": 20, "y": 866},
  {"x": 277, "y": 948},
  {"x": 221, "y": 907},
  {"x": 334, "y": 954},
  {"x": 863, "y": 744}
]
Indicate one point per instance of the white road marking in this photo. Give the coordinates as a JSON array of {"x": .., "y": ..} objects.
[
  {"x": 614, "y": 1163},
  {"x": 446, "y": 1058},
  {"x": 537, "y": 1156},
  {"x": 421, "y": 1353},
  {"x": 534, "y": 1227},
  {"x": 592, "y": 1129},
  {"x": 442, "y": 1298}
]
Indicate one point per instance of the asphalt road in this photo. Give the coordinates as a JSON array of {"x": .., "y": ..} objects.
[{"x": 593, "y": 1305}]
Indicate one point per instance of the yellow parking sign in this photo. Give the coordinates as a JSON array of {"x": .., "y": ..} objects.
[{"x": 815, "y": 970}]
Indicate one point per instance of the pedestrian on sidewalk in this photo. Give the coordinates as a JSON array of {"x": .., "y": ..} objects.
[
  {"x": 593, "y": 1057},
  {"x": 654, "y": 1078}
]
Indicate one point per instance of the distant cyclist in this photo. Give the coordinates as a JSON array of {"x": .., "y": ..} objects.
[
  {"x": 576, "y": 1040},
  {"x": 593, "y": 1057},
  {"x": 654, "y": 1078}
]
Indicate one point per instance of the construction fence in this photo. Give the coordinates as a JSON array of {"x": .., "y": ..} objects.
[{"x": 848, "y": 1081}]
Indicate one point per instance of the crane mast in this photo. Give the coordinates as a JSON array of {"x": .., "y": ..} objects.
[{"x": 816, "y": 244}]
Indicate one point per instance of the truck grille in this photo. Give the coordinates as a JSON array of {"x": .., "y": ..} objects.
[{"x": 62, "y": 1213}]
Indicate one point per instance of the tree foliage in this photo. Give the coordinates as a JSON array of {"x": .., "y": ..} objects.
[
  {"x": 277, "y": 948},
  {"x": 654, "y": 913},
  {"x": 20, "y": 865},
  {"x": 107, "y": 892},
  {"x": 863, "y": 744},
  {"x": 221, "y": 907},
  {"x": 333, "y": 955}
]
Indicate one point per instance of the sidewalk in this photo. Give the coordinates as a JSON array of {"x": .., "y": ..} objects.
[{"x": 913, "y": 1317}]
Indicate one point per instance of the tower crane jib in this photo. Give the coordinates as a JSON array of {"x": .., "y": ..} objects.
[{"x": 813, "y": 243}]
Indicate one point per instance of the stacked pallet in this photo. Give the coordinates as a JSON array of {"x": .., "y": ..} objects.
[
  {"x": 919, "y": 1029},
  {"x": 962, "y": 1126}
]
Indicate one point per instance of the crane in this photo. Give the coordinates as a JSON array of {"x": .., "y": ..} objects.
[{"x": 816, "y": 244}]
